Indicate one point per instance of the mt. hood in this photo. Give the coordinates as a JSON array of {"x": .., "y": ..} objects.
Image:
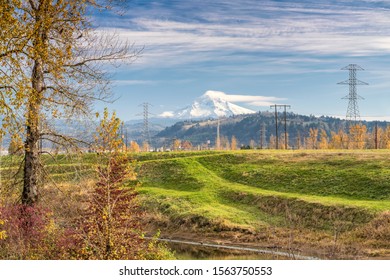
[{"x": 210, "y": 104}]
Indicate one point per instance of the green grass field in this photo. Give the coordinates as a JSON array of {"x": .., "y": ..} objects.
[
  {"x": 332, "y": 204},
  {"x": 332, "y": 194}
]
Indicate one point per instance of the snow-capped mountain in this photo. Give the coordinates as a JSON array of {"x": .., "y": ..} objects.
[{"x": 211, "y": 104}]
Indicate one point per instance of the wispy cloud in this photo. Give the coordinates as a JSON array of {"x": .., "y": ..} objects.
[
  {"x": 251, "y": 99},
  {"x": 288, "y": 48},
  {"x": 225, "y": 27},
  {"x": 254, "y": 100}
]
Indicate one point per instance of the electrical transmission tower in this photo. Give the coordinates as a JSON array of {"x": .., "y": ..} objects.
[
  {"x": 285, "y": 124},
  {"x": 353, "y": 113},
  {"x": 145, "y": 132}
]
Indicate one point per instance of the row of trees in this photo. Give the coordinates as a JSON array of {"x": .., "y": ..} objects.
[{"x": 357, "y": 137}]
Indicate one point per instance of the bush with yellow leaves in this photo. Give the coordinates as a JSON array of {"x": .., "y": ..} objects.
[{"x": 112, "y": 226}]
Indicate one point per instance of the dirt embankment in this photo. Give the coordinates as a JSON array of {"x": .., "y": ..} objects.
[{"x": 325, "y": 233}]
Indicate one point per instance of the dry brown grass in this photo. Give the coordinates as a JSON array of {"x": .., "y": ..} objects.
[
  {"x": 375, "y": 235},
  {"x": 67, "y": 200}
]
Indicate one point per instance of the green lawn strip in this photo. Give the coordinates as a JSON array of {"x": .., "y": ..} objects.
[
  {"x": 214, "y": 199},
  {"x": 310, "y": 211},
  {"x": 377, "y": 205},
  {"x": 181, "y": 205},
  {"x": 341, "y": 177},
  {"x": 206, "y": 201},
  {"x": 164, "y": 156}
]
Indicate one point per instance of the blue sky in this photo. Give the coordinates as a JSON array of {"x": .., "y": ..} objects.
[{"x": 291, "y": 50}]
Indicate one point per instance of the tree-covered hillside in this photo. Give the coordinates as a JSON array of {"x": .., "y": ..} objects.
[{"x": 256, "y": 128}]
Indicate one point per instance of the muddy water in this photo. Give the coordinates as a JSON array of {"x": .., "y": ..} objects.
[{"x": 188, "y": 250}]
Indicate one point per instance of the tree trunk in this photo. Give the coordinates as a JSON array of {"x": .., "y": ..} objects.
[
  {"x": 31, "y": 168},
  {"x": 31, "y": 160}
]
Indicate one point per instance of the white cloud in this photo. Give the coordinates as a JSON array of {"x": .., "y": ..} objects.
[
  {"x": 175, "y": 43},
  {"x": 226, "y": 27},
  {"x": 167, "y": 114},
  {"x": 254, "y": 100}
]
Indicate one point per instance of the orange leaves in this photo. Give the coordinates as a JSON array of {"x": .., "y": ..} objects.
[
  {"x": 357, "y": 136},
  {"x": 134, "y": 147}
]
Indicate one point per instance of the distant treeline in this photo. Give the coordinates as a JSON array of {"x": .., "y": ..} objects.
[{"x": 259, "y": 131}]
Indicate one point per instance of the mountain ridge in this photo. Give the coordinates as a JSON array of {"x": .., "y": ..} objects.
[{"x": 258, "y": 127}]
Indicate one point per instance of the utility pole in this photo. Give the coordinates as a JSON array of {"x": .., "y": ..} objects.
[
  {"x": 262, "y": 135},
  {"x": 276, "y": 123},
  {"x": 376, "y": 135},
  {"x": 218, "y": 144},
  {"x": 285, "y": 125}
]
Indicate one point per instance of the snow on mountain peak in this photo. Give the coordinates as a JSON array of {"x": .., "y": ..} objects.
[{"x": 210, "y": 104}]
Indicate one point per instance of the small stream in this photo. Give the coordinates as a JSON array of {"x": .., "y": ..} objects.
[{"x": 191, "y": 250}]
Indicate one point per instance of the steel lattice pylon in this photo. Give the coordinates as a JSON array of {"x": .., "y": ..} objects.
[
  {"x": 353, "y": 113},
  {"x": 145, "y": 132}
]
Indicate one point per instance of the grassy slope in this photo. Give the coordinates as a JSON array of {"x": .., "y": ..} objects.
[
  {"x": 330, "y": 178},
  {"x": 315, "y": 191}
]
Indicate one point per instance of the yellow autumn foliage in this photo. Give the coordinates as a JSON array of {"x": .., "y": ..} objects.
[{"x": 3, "y": 233}]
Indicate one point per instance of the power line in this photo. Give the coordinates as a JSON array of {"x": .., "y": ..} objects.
[{"x": 376, "y": 135}]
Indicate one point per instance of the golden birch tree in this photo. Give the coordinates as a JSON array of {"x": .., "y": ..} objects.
[
  {"x": 225, "y": 143},
  {"x": 176, "y": 145},
  {"x": 272, "y": 142},
  {"x": 323, "y": 140},
  {"x": 312, "y": 140},
  {"x": 51, "y": 66},
  {"x": 233, "y": 143},
  {"x": 357, "y": 136},
  {"x": 335, "y": 141},
  {"x": 386, "y": 138},
  {"x": 134, "y": 147}
]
